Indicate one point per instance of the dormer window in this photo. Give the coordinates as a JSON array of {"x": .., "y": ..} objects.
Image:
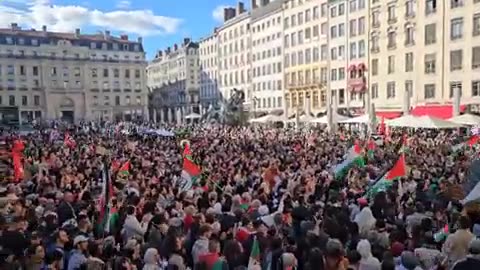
[
  {"x": 93, "y": 45},
  {"x": 104, "y": 46},
  {"x": 125, "y": 47},
  {"x": 136, "y": 47},
  {"x": 21, "y": 41},
  {"x": 9, "y": 40},
  {"x": 115, "y": 46},
  {"x": 34, "y": 42}
]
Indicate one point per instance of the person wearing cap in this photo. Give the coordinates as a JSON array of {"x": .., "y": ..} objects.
[
  {"x": 472, "y": 261},
  {"x": 78, "y": 258}
]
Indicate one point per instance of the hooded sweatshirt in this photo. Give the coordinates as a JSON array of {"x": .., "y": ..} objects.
[{"x": 368, "y": 262}]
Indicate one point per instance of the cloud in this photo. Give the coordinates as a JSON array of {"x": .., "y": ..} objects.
[
  {"x": 37, "y": 13},
  {"x": 124, "y": 4},
  {"x": 217, "y": 13}
]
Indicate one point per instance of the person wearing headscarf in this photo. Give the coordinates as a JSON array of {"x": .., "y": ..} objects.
[
  {"x": 365, "y": 219},
  {"x": 150, "y": 259},
  {"x": 367, "y": 262}
]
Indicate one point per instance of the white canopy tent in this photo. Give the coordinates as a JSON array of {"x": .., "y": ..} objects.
[
  {"x": 193, "y": 116},
  {"x": 266, "y": 119},
  {"x": 324, "y": 119},
  {"x": 422, "y": 122},
  {"x": 363, "y": 119},
  {"x": 466, "y": 119}
]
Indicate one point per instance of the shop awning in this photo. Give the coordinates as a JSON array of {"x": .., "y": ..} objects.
[
  {"x": 438, "y": 111},
  {"x": 388, "y": 114}
]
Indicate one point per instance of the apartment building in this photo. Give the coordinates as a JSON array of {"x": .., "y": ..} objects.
[
  {"x": 267, "y": 56},
  {"x": 347, "y": 45},
  {"x": 208, "y": 51},
  {"x": 174, "y": 80},
  {"x": 234, "y": 59},
  {"x": 420, "y": 51},
  {"x": 71, "y": 76},
  {"x": 305, "y": 62}
]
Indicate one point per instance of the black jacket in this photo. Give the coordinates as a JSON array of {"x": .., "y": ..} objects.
[{"x": 469, "y": 263}]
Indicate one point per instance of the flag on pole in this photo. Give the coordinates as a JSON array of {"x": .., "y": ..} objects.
[
  {"x": 191, "y": 171},
  {"x": 254, "y": 254},
  {"x": 397, "y": 171},
  {"x": 17, "y": 155},
  {"x": 471, "y": 142},
  {"x": 125, "y": 168},
  {"x": 353, "y": 157},
  {"x": 103, "y": 224},
  {"x": 371, "y": 148}
]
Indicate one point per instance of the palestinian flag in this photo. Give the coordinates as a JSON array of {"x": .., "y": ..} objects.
[
  {"x": 371, "y": 148},
  {"x": 471, "y": 142},
  {"x": 125, "y": 168},
  {"x": 397, "y": 171},
  {"x": 353, "y": 157},
  {"x": 113, "y": 218},
  {"x": 191, "y": 171},
  {"x": 254, "y": 260},
  {"x": 103, "y": 224}
]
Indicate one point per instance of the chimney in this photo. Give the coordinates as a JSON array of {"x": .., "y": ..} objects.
[
  {"x": 44, "y": 28},
  {"x": 160, "y": 53},
  {"x": 186, "y": 41},
  {"x": 175, "y": 47},
  {"x": 264, "y": 2},
  {"x": 168, "y": 49},
  {"x": 140, "y": 40},
  {"x": 106, "y": 34},
  {"x": 240, "y": 8},
  {"x": 77, "y": 32},
  {"x": 124, "y": 37},
  {"x": 15, "y": 26},
  {"x": 253, "y": 4}
]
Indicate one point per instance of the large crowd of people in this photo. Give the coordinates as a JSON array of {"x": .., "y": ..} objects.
[{"x": 266, "y": 199}]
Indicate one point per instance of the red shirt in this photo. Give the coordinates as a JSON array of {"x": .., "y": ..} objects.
[{"x": 210, "y": 259}]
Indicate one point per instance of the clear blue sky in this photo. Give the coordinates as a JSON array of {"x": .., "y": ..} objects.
[{"x": 161, "y": 22}]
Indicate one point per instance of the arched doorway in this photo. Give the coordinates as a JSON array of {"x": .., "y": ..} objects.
[{"x": 67, "y": 110}]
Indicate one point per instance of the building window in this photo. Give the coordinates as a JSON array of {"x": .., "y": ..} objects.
[
  {"x": 374, "y": 67},
  {"x": 36, "y": 100},
  {"x": 392, "y": 40},
  {"x": 454, "y": 85},
  {"x": 376, "y": 19},
  {"x": 430, "y": 33},
  {"x": 430, "y": 63},
  {"x": 35, "y": 71},
  {"x": 410, "y": 8},
  {"x": 476, "y": 24},
  {"x": 105, "y": 72},
  {"x": 127, "y": 73},
  {"x": 456, "y": 28},
  {"x": 429, "y": 91},
  {"x": 375, "y": 44},
  {"x": 22, "y": 70},
  {"x": 390, "y": 90},
  {"x": 94, "y": 73},
  {"x": 409, "y": 35},
  {"x": 409, "y": 62},
  {"x": 456, "y": 60},
  {"x": 24, "y": 101},
  {"x": 391, "y": 64},
  {"x": 53, "y": 71},
  {"x": 116, "y": 73},
  {"x": 456, "y": 3},
  {"x": 361, "y": 49},
  {"x": 353, "y": 50},
  {"x": 476, "y": 57},
  {"x": 475, "y": 88},
  {"x": 392, "y": 17},
  {"x": 431, "y": 6},
  {"x": 11, "y": 100},
  {"x": 374, "y": 90},
  {"x": 409, "y": 88}
]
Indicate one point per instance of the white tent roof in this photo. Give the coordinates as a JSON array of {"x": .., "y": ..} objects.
[
  {"x": 422, "y": 122},
  {"x": 193, "y": 116},
  {"x": 466, "y": 119},
  {"x": 363, "y": 119},
  {"x": 266, "y": 118},
  {"x": 324, "y": 119}
]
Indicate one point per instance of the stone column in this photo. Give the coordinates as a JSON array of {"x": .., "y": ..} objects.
[
  {"x": 456, "y": 101},
  {"x": 406, "y": 103},
  {"x": 154, "y": 116}
]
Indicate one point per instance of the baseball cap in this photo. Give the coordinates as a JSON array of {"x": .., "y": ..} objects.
[{"x": 79, "y": 239}]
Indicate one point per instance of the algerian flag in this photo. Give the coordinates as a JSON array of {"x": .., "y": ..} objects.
[
  {"x": 254, "y": 254},
  {"x": 353, "y": 156},
  {"x": 125, "y": 168},
  {"x": 472, "y": 141}
]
